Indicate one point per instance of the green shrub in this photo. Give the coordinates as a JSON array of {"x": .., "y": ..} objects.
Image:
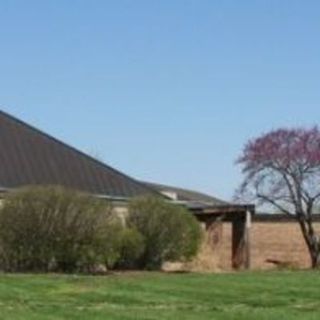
[
  {"x": 130, "y": 249},
  {"x": 170, "y": 232},
  {"x": 56, "y": 229}
]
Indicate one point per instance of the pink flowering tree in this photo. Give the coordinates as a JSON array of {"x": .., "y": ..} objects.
[{"x": 282, "y": 170}]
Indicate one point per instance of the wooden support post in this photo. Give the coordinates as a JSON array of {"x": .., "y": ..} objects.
[
  {"x": 241, "y": 241},
  {"x": 238, "y": 227}
]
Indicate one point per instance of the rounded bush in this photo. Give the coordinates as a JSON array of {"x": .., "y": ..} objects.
[
  {"x": 56, "y": 229},
  {"x": 170, "y": 231}
]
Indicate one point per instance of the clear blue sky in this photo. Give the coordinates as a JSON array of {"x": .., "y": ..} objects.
[{"x": 166, "y": 91}]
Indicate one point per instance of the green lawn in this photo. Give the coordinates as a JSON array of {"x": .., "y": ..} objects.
[{"x": 270, "y": 295}]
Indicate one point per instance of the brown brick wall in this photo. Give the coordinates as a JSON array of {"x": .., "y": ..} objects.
[
  {"x": 270, "y": 240},
  {"x": 280, "y": 241},
  {"x": 215, "y": 252},
  {"x": 226, "y": 247}
]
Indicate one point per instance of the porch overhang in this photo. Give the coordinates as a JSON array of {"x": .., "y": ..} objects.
[{"x": 240, "y": 216}]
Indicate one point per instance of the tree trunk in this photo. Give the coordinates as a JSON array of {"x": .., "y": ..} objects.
[
  {"x": 311, "y": 240},
  {"x": 314, "y": 252},
  {"x": 315, "y": 259}
]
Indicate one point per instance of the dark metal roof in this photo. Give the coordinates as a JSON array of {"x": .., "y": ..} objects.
[
  {"x": 31, "y": 157},
  {"x": 193, "y": 198}
]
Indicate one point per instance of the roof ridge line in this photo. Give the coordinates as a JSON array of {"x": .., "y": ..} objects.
[{"x": 82, "y": 153}]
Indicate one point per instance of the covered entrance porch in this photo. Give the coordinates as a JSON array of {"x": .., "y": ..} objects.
[{"x": 239, "y": 216}]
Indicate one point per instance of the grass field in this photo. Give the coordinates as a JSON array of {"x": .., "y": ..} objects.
[{"x": 270, "y": 295}]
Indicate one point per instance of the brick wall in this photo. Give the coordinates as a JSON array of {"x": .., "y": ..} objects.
[
  {"x": 280, "y": 241},
  {"x": 270, "y": 240}
]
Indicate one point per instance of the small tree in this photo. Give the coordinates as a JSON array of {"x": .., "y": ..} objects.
[
  {"x": 170, "y": 232},
  {"x": 282, "y": 169}
]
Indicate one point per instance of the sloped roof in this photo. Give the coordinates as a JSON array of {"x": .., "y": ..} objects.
[
  {"x": 29, "y": 156},
  {"x": 193, "y": 198}
]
